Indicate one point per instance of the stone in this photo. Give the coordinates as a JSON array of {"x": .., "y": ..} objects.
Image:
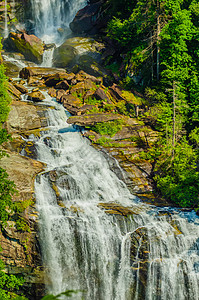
[
  {"x": 62, "y": 85},
  {"x": 56, "y": 78},
  {"x": 38, "y": 72},
  {"x": 116, "y": 92},
  {"x": 100, "y": 94},
  {"x": 23, "y": 117},
  {"x": 59, "y": 94},
  {"x": 21, "y": 170},
  {"x": 89, "y": 65},
  {"x": 21, "y": 88},
  {"x": 85, "y": 108},
  {"x": 81, "y": 75},
  {"x": 36, "y": 96},
  {"x": 92, "y": 119},
  {"x": 35, "y": 81},
  {"x": 13, "y": 91},
  {"x": 71, "y": 103},
  {"x": 11, "y": 69},
  {"x": 29, "y": 45},
  {"x": 52, "y": 92},
  {"x": 77, "y": 89},
  {"x": 117, "y": 209},
  {"x": 64, "y": 56}
]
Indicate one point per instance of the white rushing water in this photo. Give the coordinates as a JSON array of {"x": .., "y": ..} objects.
[
  {"x": 153, "y": 254},
  {"x": 51, "y": 15}
]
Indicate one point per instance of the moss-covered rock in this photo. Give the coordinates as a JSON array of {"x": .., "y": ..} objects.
[
  {"x": 29, "y": 45},
  {"x": 64, "y": 56}
]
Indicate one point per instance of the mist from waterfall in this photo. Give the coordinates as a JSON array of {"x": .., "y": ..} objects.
[{"x": 53, "y": 16}]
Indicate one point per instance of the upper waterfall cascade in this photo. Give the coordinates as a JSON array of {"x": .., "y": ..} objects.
[{"x": 51, "y": 15}]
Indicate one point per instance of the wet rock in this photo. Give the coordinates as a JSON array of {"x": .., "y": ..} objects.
[
  {"x": 30, "y": 150},
  {"x": 92, "y": 119},
  {"x": 29, "y": 45},
  {"x": 64, "y": 56},
  {"x": 21, "y": 88},
  {"x": 117, "y": 209},
  {"x": 38, "y": 72},
  {"x": 36, "y": 96},
  {"x": 35, "y": 81},
  {"x": 13, "y": 91}
]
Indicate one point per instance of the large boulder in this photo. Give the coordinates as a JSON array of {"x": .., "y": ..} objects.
[
  {"x": 86, "y": 45},
  {"x": 29, "y": 45},
  {"x": 36, "y": 96},
  {"x": 64, "y": 56},
  {"x": 23, "y": 117}
]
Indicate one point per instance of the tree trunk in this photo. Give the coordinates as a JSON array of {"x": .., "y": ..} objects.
[
  {"x": 158, "y": 39},
  {"x": 174, "y": 120}
]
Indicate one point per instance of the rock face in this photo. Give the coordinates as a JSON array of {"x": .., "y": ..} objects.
[
  {"x": 92, "y": 119},
  {"x": 23, "y": 117},
  {"x": 29, "y": 45},
  {"x": 87, "y": 19},
  {"x": 19, "y": 241}
]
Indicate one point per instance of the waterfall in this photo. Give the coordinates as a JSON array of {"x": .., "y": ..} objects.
[
  {"x": 152, "y": 254},
  {"x": 48, "y": 58},
  {"x": 51, "y": 15},
  {"x": 6, "y": 20}
]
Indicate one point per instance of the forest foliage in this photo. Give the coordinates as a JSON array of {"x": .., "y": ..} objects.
[{"x": 158, "y": 41}]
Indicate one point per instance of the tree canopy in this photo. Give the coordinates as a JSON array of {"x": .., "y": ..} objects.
[{"x": 159, "y": 41}]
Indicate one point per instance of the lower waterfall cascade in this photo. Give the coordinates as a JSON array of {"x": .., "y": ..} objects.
[{"x": 85, "y": 248}]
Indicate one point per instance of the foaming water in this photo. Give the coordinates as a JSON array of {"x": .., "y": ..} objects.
[
  {"x": 51, "y": 15},
  {"x": 152, "y": 254}
]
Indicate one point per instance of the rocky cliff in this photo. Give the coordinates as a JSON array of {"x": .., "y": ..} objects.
[{"x": 19, "y": 240}]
